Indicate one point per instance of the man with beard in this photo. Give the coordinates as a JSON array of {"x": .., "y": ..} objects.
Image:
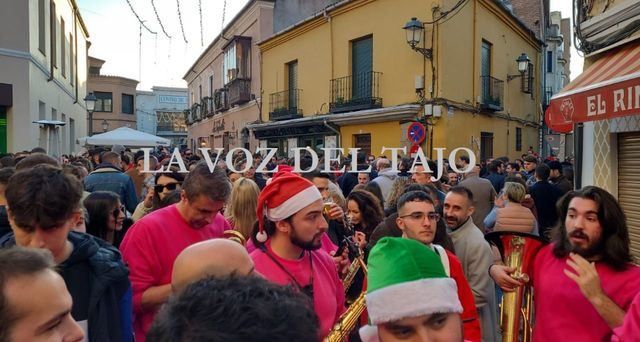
[
  {"x": 152, "y": 244},
  {"x": 584, "y": 279},
  {"x": 474, "y": 254},
  {"x": 417, "y": 219},
  {"x": 290, "y": 216}
]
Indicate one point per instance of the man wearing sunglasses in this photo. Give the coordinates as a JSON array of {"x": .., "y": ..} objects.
[
  {"x": 152, "y": 244},
  {"x": 417, "y": 218}
]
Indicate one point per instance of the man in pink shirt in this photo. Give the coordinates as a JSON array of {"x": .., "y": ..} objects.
[
  {"x": 152, "y": 244},
  {"x": 290, "y": 217},
  {"x": 584, "y": 281}
]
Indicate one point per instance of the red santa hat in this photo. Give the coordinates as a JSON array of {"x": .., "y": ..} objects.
[{"x": 285, "y": 195}]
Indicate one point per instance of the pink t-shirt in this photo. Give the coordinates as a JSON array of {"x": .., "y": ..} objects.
[
  {"x": 562, "y": 311},
  {"x": 151, "y": 246},
  {"x": 328, "y": 293},
  {"x": 630, "y": 329}
]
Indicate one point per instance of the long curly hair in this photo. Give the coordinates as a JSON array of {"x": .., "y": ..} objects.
[
  {"x": 370, "y": 210},
  {"x": 614, "y": 243}
]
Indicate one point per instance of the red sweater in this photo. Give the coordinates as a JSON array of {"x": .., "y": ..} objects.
[
  {"x": 470, "y": 320},
  {"x": 151, "y": 246}
]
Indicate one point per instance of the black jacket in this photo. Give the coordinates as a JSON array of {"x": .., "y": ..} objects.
[
  {"x": 545, "y": 197},
  {"x": 98, "y": 282}
]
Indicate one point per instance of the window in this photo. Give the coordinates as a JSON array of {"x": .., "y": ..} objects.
[
  {"x": 72, "y": 134},
  {"x": 54, "y": 49},
  {"x": 200, "y": 92},
  {"x": 292, "y": 71},
  {"x": 63, "y": 45},
  {"x": 486, "y": 58},
  {"x": 486, "y": 145},
  {"x": 41, "y": 27},
  {"x": 361, "y": 67},
  {"x": 72, "y": 59},
  {"x": 127, "y": 104},
  {"x": 42, "y": 114},
  {"x": 211, "y": 86},
  {"x": 518, "y": 139},
  {"x": 103, "y": 102},
  {"x": 64, "y": 132},
  {"x": 550, "y": 61},
  {"x": 237, "y": 59},
  {"x": 54, "y": 114},
  {"x": 94, "y": 70}
]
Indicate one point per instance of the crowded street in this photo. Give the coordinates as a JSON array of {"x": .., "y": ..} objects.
[{"x": 321, "y": 170}]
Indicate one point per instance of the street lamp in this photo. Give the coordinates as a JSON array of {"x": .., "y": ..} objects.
[
  {"x": 105, "y": 125},
  {"x": 415, "y": 31},
  {"x": 523, "y": 63},
  {"x": 90, "y": 102}
]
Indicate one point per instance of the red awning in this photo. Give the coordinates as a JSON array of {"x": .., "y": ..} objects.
[{"x": 608, "y": 88}]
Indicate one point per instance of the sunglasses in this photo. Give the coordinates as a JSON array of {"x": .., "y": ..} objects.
[
  {"x": 116, "y": 212},
  {"x": 160, "y": 188}
]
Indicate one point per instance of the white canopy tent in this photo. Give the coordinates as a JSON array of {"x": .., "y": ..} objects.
[{"x": 124, "y": 136}]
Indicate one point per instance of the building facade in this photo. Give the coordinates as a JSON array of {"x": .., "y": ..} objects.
[
  {"x": 602, "y": 105},
  {"x": 43, "y": 75},
  {"x": 116, "y": 97},
  {"x": 161, "y": 112},
  {"x": 557, "y": 59},
  {"x": 224, "y": 82},
  {"x": 346, "y": 77}
]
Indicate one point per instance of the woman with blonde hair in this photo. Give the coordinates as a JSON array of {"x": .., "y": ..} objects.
[
  {"x": 241, "y": 208},
  {"x": 514, "y": 216}
]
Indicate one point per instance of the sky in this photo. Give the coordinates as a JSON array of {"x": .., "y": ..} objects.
[
  {"x": 157, "y": 60},
  {"x": 115, "y": 37},
  {"x": 577, "y": 61}
]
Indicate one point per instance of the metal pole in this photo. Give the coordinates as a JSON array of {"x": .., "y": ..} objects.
[{"x": 90, "y": 122}]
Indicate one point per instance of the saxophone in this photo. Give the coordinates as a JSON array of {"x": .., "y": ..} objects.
[
  {"x": 347, "y": 322},
  {"x": 356, "y": 251}
]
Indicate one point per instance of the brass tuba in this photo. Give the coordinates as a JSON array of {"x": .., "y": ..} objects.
[
  {"x": 235, "y": 235},
  {"x": 518, "y": 250},
  {"x": 347, "y": 322}
]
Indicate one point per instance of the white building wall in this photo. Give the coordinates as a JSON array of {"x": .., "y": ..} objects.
[{"x": 27, "y": 69}]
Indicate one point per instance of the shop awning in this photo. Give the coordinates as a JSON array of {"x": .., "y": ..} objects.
[{"x": 609, "y": 88}]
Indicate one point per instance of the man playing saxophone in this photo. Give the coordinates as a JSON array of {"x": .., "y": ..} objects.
[
  {"x": 417, "y": 218},
  {"x": 584, "y": 280}
]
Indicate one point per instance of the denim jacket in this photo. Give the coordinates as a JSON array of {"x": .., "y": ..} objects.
[{"x": 107, "y": 177}]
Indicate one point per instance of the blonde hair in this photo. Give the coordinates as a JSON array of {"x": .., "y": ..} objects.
[
  {"x": 241, "y": 208},
  {"x": 397, "y": 189},
  {"x": 515, "y": 192}
]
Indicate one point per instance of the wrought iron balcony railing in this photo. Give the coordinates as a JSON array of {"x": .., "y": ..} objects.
[
  {"x": 221, "y": 100},
  {"x": 355, "y": 92},
  {"x": 492, "y": 90},
  {"x": 285, "y": 105}
]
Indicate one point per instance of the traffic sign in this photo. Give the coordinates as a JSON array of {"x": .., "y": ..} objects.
[{"x": 416, "y": 133}]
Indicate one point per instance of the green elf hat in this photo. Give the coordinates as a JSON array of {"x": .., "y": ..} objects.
[{"x": 407, "y": 279}]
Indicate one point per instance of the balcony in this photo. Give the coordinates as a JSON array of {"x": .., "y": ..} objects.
[
  {"x": 492, "y": 90},
  {"x": 239, "y": 91},
  {"x": 196, "y": 112},
  {"x": 284, "y": 105},
  {"x": 207, "y": 106},
  {"x": 187, "y": 116},
  {"x": 221, "y": 100},
  {"x": 355, "y": 92}
]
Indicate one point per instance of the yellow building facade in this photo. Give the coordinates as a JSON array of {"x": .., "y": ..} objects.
[{"x": 347, "y": 78}]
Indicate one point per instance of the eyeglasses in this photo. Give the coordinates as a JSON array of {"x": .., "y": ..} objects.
[
  {"x": 419, "y": 216},
  {"x": 160, "y": 187},
  {"x": 118, "y": 210}
]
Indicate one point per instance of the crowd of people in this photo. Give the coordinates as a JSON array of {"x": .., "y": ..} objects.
[{"x": 95, "y": 248}]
